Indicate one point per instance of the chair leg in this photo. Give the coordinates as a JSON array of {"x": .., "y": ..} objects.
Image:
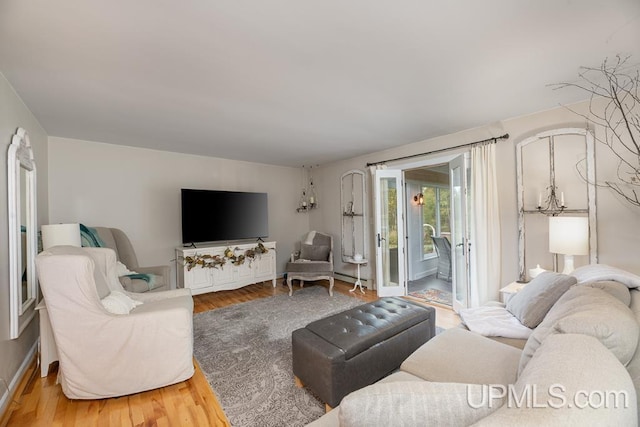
[
  {"x": 301, "y": 284},
  {"x": 289, "y": 284},
  {"x": 330, "y": 286}
]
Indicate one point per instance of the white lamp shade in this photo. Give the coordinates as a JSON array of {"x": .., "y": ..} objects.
[
  {"x": 569, "y": 235},
  {"x": 60, "y": 235}
]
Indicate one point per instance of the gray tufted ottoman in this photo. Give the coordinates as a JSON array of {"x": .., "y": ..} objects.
[{"x": 350, "y": 350}]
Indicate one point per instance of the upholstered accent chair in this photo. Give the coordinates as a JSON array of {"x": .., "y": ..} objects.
[
  {"x": 102, "y": 354},
  {"x": 117, "y": 240},
  {"x": 443, "y": 249},
  {"x": 313, "y": 262}
]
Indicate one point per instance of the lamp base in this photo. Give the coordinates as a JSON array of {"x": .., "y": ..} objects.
[{"x": 568, "y": 264}]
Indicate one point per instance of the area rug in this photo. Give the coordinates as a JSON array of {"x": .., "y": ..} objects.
[
  {"x": 244, "y": 351},
  {"x": 434, "y": 295}
]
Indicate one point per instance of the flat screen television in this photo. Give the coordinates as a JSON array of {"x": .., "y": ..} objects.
[{"x": 211, "y": 215}]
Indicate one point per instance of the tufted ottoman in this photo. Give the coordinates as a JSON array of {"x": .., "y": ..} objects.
[{"x": 350, "y": 350}]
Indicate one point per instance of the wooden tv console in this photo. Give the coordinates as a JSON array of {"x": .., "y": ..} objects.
[{"x": 202, "y": 280}]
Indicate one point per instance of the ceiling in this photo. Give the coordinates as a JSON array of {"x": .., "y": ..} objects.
[{"x": 293, "y": 82}]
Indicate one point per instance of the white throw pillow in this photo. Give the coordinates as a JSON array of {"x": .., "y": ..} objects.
[
  {"x": 122, "y": 269},
  {"x": 119, "y": 303},
  {"x": 599, "y": 272}
]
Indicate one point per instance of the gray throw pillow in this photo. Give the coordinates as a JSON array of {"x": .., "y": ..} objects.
[
  {"x": 314, "y": 252},
  {"x": 534, "y": 301}
]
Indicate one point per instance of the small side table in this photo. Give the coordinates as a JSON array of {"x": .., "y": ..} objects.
[
  {"x": 511, "y": 289},
  {"x": 358, "y": 283},
  {"x": 48, "y": 348}
]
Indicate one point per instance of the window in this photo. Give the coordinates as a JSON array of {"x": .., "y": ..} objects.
[{"x": 435, "y": 216}]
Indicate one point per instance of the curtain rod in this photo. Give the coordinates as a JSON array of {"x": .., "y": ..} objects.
[{"x": 505, "y": 136}]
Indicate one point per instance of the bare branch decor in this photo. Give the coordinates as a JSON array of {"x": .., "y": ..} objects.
[{"x": 617, "y": 83}]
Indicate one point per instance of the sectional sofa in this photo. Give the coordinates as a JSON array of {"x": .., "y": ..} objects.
[{"x": 580, "y": 366}]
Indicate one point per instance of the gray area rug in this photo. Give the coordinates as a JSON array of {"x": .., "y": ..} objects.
[{"x": 245, "y": 352}]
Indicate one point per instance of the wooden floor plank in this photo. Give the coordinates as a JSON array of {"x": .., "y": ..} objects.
[{"x": 189, "y": 403}]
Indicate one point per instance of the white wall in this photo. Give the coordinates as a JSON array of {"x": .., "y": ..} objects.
[
  {"x": 14, "y": 114},
  {"x": 138, "y": 191},
  {"x": 618, "y": 222}
]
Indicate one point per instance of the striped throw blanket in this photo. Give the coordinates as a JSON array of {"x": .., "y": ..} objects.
[{"x": 90, "y": 238}]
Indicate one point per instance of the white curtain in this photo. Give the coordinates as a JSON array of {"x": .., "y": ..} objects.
[{"x": 486, "y": 253}]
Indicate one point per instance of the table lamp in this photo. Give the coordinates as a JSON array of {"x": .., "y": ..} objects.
[
  {"x": 569, "y": 236},
  {"x": 60, "y": 235}
]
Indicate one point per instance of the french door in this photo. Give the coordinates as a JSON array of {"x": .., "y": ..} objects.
[
  {"x": 390, "y": 259},
  {"x": 460, "y": 245}
]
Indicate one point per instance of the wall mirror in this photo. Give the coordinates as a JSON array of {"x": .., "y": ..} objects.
[
  {"x": 556, "y": 176},
  {"x": 23, "y": 240},
  {"x": 352, "y": 196}
]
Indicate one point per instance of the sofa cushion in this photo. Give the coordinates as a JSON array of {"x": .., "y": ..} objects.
[
  {"x": 415, "y": 403},
  {"x": 532, "y": 303},
  {"x": 589, "y": 311},
  {"x": 317, "y": 267},
  {"x": 615, "y": 289},
  {"x": 314, "y": 252},
  {"x": 634, "y": 365},
  {"x": 597, "y": 272},
  {"x": 490, "y": 362},
  {"x": 135, "y": 285},
  {"x": 566, "y": 367}
]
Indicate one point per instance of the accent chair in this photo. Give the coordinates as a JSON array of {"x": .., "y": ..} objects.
[
  {"x": 103, "y": 354},
  {"x": 443, "y": 249},
  {"x": 313, "y": 262}
]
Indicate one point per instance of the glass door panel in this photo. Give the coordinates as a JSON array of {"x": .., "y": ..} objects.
[
  {"x": 459, "y": 235},
  {"x": 390, "y": 274}
]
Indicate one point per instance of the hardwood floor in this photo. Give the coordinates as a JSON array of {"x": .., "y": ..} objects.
[{"x": 40, "y": 401}]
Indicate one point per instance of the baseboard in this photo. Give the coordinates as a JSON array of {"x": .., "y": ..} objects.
[
  {"x": 15, "y": 381},
  {"x": 424, "y": 274}
]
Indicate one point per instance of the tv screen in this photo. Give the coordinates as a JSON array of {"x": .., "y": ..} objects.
[{"x": 210, "y": 215}]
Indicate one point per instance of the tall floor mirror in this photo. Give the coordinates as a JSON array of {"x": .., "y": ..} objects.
[
  {"x": 23, "y": 233},
  {"x": 353, "y": 198}
]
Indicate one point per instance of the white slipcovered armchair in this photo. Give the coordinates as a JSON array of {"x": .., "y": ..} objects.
[{"x": 106, "y": 355}]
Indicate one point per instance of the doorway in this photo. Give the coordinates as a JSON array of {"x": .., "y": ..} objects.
[
  {"x": 414, "y": 242},
  {"x": 428, "y": 234}
]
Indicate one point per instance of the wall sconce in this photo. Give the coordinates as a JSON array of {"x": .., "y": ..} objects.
[
  {"x": 419, "y": 199},
  {"x": 308, "y": 199}
]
